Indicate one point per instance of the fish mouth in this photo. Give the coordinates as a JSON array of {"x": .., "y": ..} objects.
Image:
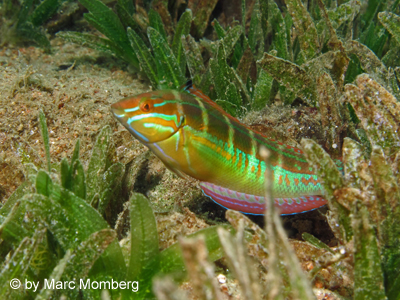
[
  {"x": 120, "y": 114},
  {"x": 118, "y": 111}
]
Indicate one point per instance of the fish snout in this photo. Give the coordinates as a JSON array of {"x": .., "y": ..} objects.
[{"x": 117, "y": 110}]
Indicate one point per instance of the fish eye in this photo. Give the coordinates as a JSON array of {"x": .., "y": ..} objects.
[{"x": 145, "y": 106}]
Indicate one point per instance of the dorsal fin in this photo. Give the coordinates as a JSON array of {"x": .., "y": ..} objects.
[
  {"x": 190, "y": 88},
  {"x": 185, "y": 87}
]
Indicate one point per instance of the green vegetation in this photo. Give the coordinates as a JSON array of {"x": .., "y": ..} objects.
[
  {"x": 165, "y": 66},
  {"x": 343, "y": 58},
  {"x": 51, "y": 228},
  {"x": 365, "y": 201},
  {"x": 23, "y": 20}
]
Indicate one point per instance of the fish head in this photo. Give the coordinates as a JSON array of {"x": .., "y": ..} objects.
[{"x": 150, "y": 117}]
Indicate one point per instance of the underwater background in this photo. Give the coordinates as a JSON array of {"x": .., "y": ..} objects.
[{"x": 321, "y": 74}]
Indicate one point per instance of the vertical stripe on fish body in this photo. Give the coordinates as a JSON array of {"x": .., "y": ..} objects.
[{"x": 194, "y": 137}]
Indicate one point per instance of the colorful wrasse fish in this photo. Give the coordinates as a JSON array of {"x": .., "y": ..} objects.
[{"x": 195, "y": 137}]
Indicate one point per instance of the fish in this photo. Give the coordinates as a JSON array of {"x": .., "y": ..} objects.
[{"x": 194, "y": 137}]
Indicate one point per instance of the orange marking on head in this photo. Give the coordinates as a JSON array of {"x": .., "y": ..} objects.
[
  {"x": 296, "y": 181},
  {"x": 280, "y": 180},
  {"x": 253, "y": 169},
  {"x": 287, "y": 180}
]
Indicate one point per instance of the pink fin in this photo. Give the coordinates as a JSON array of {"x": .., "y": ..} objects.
[{"x": 251, "y": 204}]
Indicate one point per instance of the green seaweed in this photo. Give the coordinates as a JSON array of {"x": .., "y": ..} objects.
[
  {"x": 167, "y": 65},
  {"x": 289, "y": 75},
  {"x": 367, "y": 176},
  {"x": 23, "y": 21},
  {"x": 305, "y": 28},
  {"x": 144, "y": 240},
  {"x": 55, "y": 276},
  {"x": 368, "y": 272},
  {"x": 193, "y": 58},
  {"x": 108, "y": 23},
  {"x": 182, "y": 29},
  {"x": 392, "y": 23},
  {"x": 316, "y": 242},
  {"x": 146, "y": 59},
  {"x": 262, "y": 91},
  {"x": 201, "y": 11},
  {"x": 156, "y": 22},
  {"x": 256, "y": 35},
  {"x": 279, "y": 30},
  {"x": 74, "y": 235},
  {"x": 269, "y": 29},
  {"x": 45, "y": 136}
]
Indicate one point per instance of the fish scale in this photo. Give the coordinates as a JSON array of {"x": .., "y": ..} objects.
[{"x": 194, "y": 137}]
